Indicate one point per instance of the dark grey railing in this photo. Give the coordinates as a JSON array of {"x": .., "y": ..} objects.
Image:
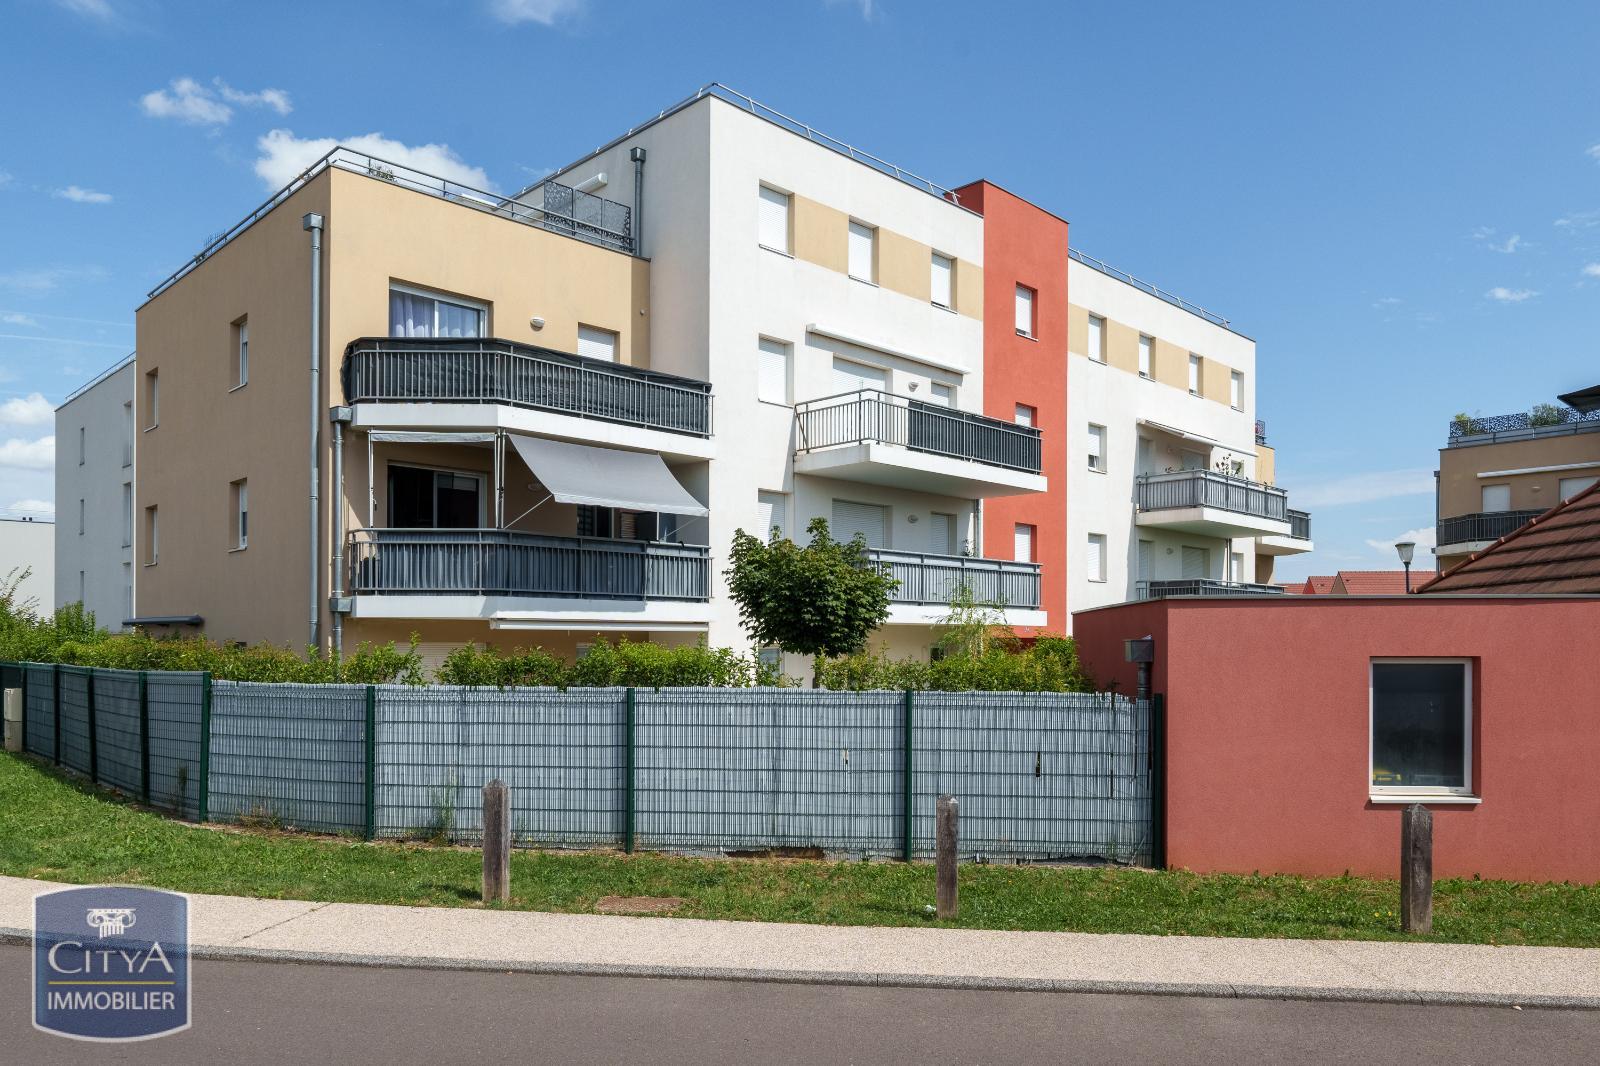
[
  {"x": 487, "y": 370},
  {"x": 1299, "y": 524},
  {"x": 1261, "y": 431},
  {"x": 1547, "y": 420},
  {"x": 1485, "y": 525},
  {"x": 882, "y": 417},
  {"x": 499, "y": 562},
  {"x": 1207, "y": 488},
  {"x": 1156, "y": 590},
  {"x": 937, "y": 579}
]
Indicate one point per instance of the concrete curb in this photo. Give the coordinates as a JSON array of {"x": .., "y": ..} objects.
[{"x": 12, "y": 935}]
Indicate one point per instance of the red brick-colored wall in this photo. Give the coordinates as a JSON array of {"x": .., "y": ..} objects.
[
  {"x": 1025, "y": 245},
  {"x": 1268, "y": 719}
]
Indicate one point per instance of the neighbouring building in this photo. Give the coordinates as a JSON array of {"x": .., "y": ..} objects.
[
  {"x": 1556, "y": 553},
  {"x": 27, "y": 558},
  {"x": 1497, "y": 472},
  {"x": 95, "y": 464}
]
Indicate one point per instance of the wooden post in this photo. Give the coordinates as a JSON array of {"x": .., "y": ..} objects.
[
  {"x": 496, "y": 842},
  {"x": 1416, "y": 869},
  {"x": 947, "y": 837}
]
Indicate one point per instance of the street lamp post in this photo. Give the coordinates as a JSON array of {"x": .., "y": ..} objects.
[{"x": 1406, "y": 548}]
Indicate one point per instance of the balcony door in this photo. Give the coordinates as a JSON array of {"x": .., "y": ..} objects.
[
  {"x": 434, "y": 499},
  {"x": 1196, "y": 563},
  {"x": 941, "y": 534},
  {"x": 852, "y": 377},
  {"x": 868, "y": 519}
]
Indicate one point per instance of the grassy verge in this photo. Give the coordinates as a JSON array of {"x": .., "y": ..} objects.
[{"x": 59, "y": 830}]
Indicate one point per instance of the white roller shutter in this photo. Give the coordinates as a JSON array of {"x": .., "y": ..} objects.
[
  {"x": 1147, "y": 559},
  {"x": 941, "y": 395},
  {"x": 942, "y": 270},
  {"x": 1571, "y": 486},
  {"x": 1196, "y": 563},
  {"x": 773, "y": 231},
  {"x": 848, "y": 376},
  {"x": 771, "y": 507},
  {"x": 1496, "y": 498},
  {"x": 1097, "y": 338},
  {"x": 1097, "y": 444},
  {"x": 1096, "y": 561},
  {"x": 1022, "y": 544},
  {"x": 1145, "y": 346},
  {"x": 861, "y": 241},
  {"x": 1024, "y": 310},
  {"x": 942, "y": 534},
  {"x": 1194, "y": 374},
  {"x": 870, "y": 520},
  {"x": 597, "y": 344},
  {"x": 1236, "y": 564},
  {"x": 1024, "y": 415},
  {"x": 772, "y": 372}
]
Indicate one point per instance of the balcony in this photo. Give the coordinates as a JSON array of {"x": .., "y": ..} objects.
[
  {"x": 1157, "y": 590},
  {"x": 538, "y": 580},
  {"x": 453, "y": 382},
  {"x": 1467, "y": 533},
  {"x": 929, "y": 582},
  {"x": 884, "y": 439},
  {"x": 1298, "y": 542},
  {"x": 1212, "y": 504}
]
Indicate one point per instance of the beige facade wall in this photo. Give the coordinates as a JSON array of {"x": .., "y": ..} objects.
[
  {"x": 1266, "y": 464},
  {"x": 904, "y": 265},
  {"x": 821, "y": 234},
  {"x": 1461, "y": 487},
  {"x": 1170, "y": 362},
  {"x": 969, "y": 289}
]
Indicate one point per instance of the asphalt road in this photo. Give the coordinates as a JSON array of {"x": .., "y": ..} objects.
[{"x": 250, "y": 1012}]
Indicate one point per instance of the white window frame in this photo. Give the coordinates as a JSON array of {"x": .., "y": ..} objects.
[
  {"x": 1483, "y": 499},
  {"x": 779, "y": 502},
  {"x": 241, "y": 352},
  {"x": 152, "y": 535},
  {"x": 871, "y": 232},
  {"x": 786, "y": 392},
  {"x": 438, "y": 298},
  {"x": 1196, "y": 378},
  {"x": 1032, "y": 302},
  {"x": 616, "y": 342},
  {"x": 1562, "y": 492},
  {"x": 1236, "y": 389},
  {"x": 1097, "y": 331},
  {"x": 1096, "y": 574},
  {"x": 1097, "y": 458},
  {"x": 241, "y": 514},
  {"x": 949, "y": 303},
  {"x": 83, "y": 445},
  {"x": 1025, "y": 415},
  {"x": 949, "y": 393},
  {"x": 1147, "y": 357},
  {"x": 788, "y": 219},
  {"x": 477, "y": 475},
  {"x": 1033, "y": 541},
  {"x": 152, "y": 392},
  {"x": 1421, "y": 793}
]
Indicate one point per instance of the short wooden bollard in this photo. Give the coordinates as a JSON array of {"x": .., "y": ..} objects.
[
  {"x": 496, "y": 842},
  {"x": 1416, "y": 869},
  {"x": 947, "y": 837}
]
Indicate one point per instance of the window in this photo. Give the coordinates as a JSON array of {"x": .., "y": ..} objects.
[
  {"x": 1194, "y": 374},
  {"x": 127, "y": 433},
  {"x": 434, "y": 499},
  {"x": 1145, "y": 457},
  {"x": 863, "y": 252},
  {"x": 83, "y": 444},
  {"x": 943, "y": 281},
  {"x": 1147, "y": 346},
  {"x": 1236, "y": 566},
  {"x": 1024, "y": 311},
  {"x": 1097, "y": 338},
  {"x": 1421, "y": 727},
  {"x": 941, "y": 394},
  {"x": 420, "y": 314},
  {"x": 774, "y": 511},
  {"x": 1571, "y": 486},
  {"x": 152, "y": 536},
  {"x": 597, "y": 344},
  {"x": 1196, "y": 563},
  {"x": 1022, "y": 543},
  {"x": 852, "y": 377},
  {"x": 1025, "y": 415},
  {"x": 1236, "y": 390},
  {"x": 868, "y": 519},
  {"x": 241, "y": 351},
  {"x": 1147, "y": 559},
  {"x": 770, "y": 658},
  {"x": 152, "y": 399},
  {"x": 1191, "y": 460},
  {"x": 127, "y": 514},
  {"x": 1097, "y": 447},
  {"x": 941, "y": 533},
  {"x": 241, "y": 514},
  {"x": 772, "y": 226},
  {"x": 1095, "y": 561},
  {"x": 772, "y": 371},
  {"x": 1496, "y": 498},
  {"x": 82, "y": 511}
]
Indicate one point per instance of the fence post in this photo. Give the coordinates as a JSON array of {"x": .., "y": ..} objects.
[
  {"x": 1158, "y": 781},
  {"x": 370, "y": 829},
  {"x": 144, "y": 736},
  {"x": 55, "y": 713},
  {"x": 24, "y": 687},
  {"x": 205, "y": 746},
  {"x": 946, "y": 842},
  {"x": 94, "y": 730},
  {"x": 910, "y": 790},
  {"x": 1416, "y": 869},
  {"x": 496, "y": 842},
  {"x": 629, "y": 768}
]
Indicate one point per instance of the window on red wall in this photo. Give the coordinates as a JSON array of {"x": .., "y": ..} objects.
[{"x": 1421, "y": 729}]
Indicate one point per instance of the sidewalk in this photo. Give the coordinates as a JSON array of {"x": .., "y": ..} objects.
[{"x": 234, "y": 928}]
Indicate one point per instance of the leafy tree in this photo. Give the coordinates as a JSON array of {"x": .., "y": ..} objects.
[
  {"x": 822, "y": 600},
  {"x": 1546, "y": 414},
  {"x": 971, "y": 628}
]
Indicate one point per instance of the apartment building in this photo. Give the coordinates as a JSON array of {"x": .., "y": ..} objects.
[
  {"x": 27, "y": 557},
  {"x": 95, "y": 464},
  {"x": 1497, "y": 472}
]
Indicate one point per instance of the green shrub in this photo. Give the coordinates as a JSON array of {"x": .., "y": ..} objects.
[
  {"x": 1546, "y": 414},
  {"x": 468, "y": 665},
  {"x": 1049, "y": 664},
  {"x": 621, "y": 665}
]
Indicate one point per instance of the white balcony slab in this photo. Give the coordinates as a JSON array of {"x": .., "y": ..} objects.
[
  {"x": 488, "y": 416},
  {"x": 1277, "y": 545},
  {"x": 895, "y": 466},
  {"x": 1212, "y": 522},
  {"x": 918, "y": 614},
  {"x": 541, "y": 612}
]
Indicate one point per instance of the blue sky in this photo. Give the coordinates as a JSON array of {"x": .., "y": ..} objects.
[{"x": 1399, "y": 202}]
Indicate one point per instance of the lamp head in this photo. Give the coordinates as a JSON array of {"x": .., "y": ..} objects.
[{"x": 1406, "y": 549}]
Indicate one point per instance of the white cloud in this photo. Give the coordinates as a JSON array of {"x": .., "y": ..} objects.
[
  {"x": 284, "y": 156},
  {"x": 1363, "y": 488},
  {"x": 1483, "y": 234},
  {"x": 544, "y": 12},
  {"x": 46, "y": 278},
  {"x": 869, "y": 8},
  {"x": 17, "y": 318},
  {"x": 79, "y": 195},
  {"x": 1507, "y": 246},
  {"x": 1593, "y": 152},
  {"x": 1501, "y": 294},
  {"x": 30, "y": 410},
  {"x": 1425, "y": 539},
  {"x": 1591, "y": 270},
  {"x": 28, "y": 454},
  {"x": 199, "y": 105},
  {"x": 99, "y": 10},
  {"x": 32, "y": 506},
  {"x": 5, "y": 178},
  {"x": 1387, "y": 301},
  {"x": 1579, "y": 220}
]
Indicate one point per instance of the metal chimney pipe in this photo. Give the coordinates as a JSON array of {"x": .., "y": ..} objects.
[
  {"x": 637, "y": 155},
  {"x": 313, "y": 223}
]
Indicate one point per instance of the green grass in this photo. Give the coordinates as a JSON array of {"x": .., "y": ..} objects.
[{"x": 60, "y": 830}]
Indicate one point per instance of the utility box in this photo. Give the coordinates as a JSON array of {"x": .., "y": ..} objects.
[{"x": 13, "y": 719}]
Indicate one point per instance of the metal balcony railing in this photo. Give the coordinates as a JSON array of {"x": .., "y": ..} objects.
[
  {"x": 1208, "y": 488},
  {"x": 870, "y": 415},
  {"x": 487, "y": 370},
  {"x": 1547, "y": 420},
  {"x": 1261, "y": 431},
  {"x": 498, "y": 562},
  {"x": 1299, "y": 525},
  {"x": 1156, "y": 590},
  {"x": 937, "y": 579},
  {"x": 1483, "y": 526}
]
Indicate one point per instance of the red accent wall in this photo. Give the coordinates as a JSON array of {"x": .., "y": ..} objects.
[
  {"x": 1268, "y": 719},
  {"x": 1023, "y": 244}
]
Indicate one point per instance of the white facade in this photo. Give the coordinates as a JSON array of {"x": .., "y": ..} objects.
[
  {"x": 94, "y": 528},
  {"x": 27, "y": 546}
]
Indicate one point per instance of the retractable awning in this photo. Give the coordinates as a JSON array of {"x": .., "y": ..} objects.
[
  {"x": 1197, "y": 438},
  {"x": 605, "y": 477}
]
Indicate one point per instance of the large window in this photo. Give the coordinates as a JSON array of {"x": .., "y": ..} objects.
[
  {"x": 773, "y": 221},
  {"x": 863, "y": 252},
  {"x": 943, "y": 281},
  {"x": 870, "y": 520},
  {"x": 1097, "y": 338},
  {"x": 1421, "y": 727},
  {"x": 434, "y": 499},
  {"x": 1024, "y": 311},
  {"x": 419, "y": 314}
]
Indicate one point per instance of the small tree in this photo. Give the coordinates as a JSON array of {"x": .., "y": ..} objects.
[
  {"x": 971, "y": 627},
  {"x": 1546, "y": 414},
  {"x": 823, "y": 599}
]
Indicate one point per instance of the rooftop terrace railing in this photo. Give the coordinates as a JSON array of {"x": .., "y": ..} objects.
[
  {"x": 1299, "y": 524},
  {"x": 1208, "y": 488},
  {"x": 1482, "y": 526},
  {"x": 1547, "y": 420},
  {"x": 1144, "y": 286},
  {"x": 871, "y": 415}
]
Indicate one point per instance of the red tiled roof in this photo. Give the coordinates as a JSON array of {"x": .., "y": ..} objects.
[
  {"x": 1558, "y": 552},
  {"x": 1377, "y": 582},
  {"x": 1319, "y": 585}
]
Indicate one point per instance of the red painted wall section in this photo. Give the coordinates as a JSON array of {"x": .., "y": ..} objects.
[
  {"x": 1023, "y": 244},
  {"x": 1268, "y": 730}
]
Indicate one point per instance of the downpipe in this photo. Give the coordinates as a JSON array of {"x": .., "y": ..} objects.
[
  {"x": 313, "y": 223},
  {"x": 338, "y": 416},
  {"x": 637, "y": 155}
]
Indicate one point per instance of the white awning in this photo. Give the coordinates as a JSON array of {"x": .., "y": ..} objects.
[
  {"x": 605, "y": 477},
  {"x": 1197, "y": 438},
  {"x": 409, "y": 436}
]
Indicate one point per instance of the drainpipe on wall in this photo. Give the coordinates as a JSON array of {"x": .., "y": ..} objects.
[
  {"x": 338, "y": 606},
  {"x": 637, "y": 155},
  {"x": 313, "y": 223}
]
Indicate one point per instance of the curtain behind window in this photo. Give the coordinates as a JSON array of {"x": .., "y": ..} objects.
[
  {"x": 458, "y": 321},
  {"x": 410, "y": 315}
]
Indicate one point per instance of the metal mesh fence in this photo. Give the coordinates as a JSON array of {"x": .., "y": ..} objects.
[
  {"x": 118, "y": 748},
  {"x": 39, "y": 710},
  {"x": 173, "y": 706},
  {"x": 73, "y": 707}
]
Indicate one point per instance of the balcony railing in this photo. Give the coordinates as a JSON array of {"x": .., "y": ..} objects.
[
  {"x": 1547, "y": 420},
  {"x": 497, "y": 562},
  {"x": 486, "y": 370},
  {"x": 1156, "y": 590},
  {"x": 1207, "y": 488},
  {"x": 1484, "y": 526},
  {"x": 881, "y": 417},
  {"x": 1299, "y": 525},
  {"x": 1261, "y": 431},
  {"x": 937, "y": 579}
]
